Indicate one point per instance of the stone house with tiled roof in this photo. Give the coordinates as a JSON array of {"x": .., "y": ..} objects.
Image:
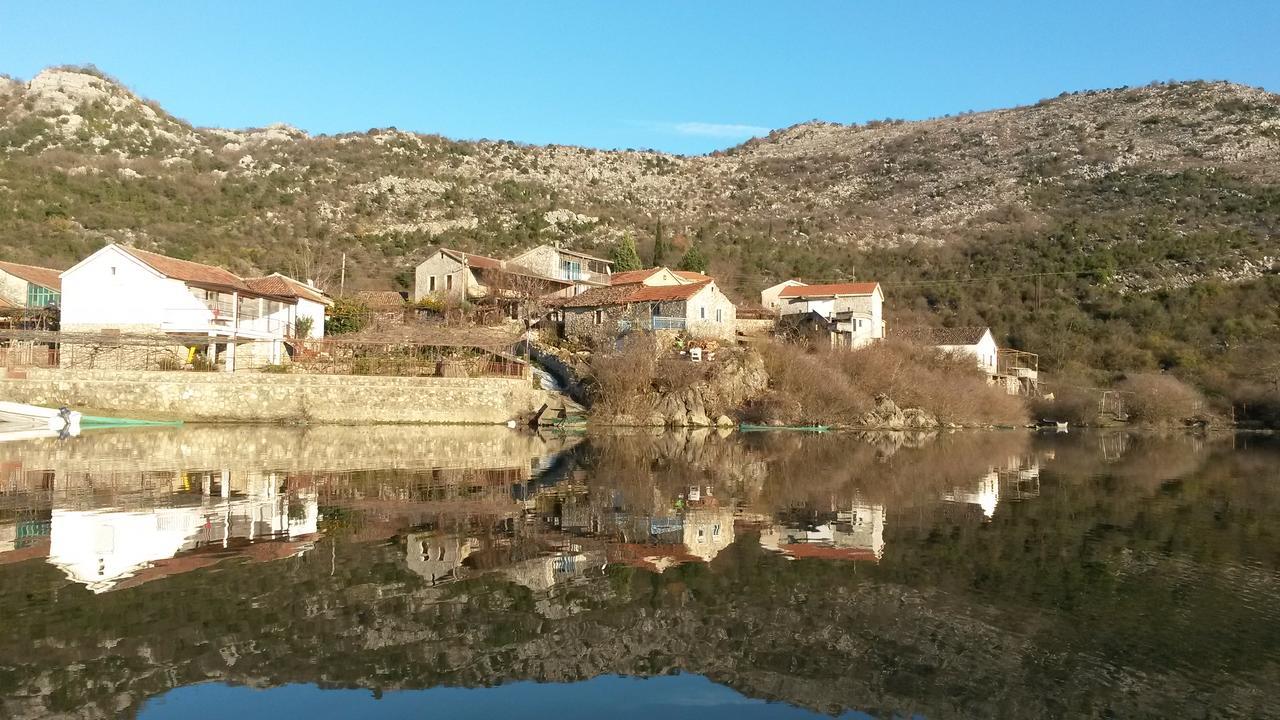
[
  {"x": 698, "y": 309},
  {"x": 453, "y": 275}
]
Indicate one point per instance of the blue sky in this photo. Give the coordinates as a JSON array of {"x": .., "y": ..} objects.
[{"x": 685, "y": 76}]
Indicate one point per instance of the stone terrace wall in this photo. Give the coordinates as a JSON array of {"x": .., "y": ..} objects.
[{"x": 239, "y": 397}]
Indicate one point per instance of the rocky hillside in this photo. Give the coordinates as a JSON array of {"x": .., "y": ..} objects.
[
  {"x": 83, "y": 160},
  {"x": 1085, "y": 228}
]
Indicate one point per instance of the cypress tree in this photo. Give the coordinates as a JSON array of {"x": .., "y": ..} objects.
[{"x": 660, "y": 248}]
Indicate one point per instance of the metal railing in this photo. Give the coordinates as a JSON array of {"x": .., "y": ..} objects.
[
  {"x": 653, "y": 323},
  {"x": 220, "y": 319}
]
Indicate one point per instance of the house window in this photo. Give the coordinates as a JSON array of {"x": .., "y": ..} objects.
[
  {"x": 599, "y": 317},
  {"x": 719, "y": 315},
  {"x": 431, "y": 284},
  {"x": 571, "y": 269},
  {"x": 448, "y": 282},
  {"x": 702, "y": 312},
  {"x": 38, "y": 297}
]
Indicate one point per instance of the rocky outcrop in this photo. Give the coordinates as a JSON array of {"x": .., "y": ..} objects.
[
  {"x": 888, "y": 416},
  {"x": 732, "y": 382}
]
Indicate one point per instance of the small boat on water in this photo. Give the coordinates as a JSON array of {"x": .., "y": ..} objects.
[
  {"x": 19, "y": 416},
  {"x": 1054, "y": 425},
  {"x": 19, "y": 421}
]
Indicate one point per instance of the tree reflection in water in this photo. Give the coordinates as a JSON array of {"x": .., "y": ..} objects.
[{"x": 956, "y": 575}]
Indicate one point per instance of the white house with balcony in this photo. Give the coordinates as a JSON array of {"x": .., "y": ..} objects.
[
  {"x": 205, "y": 310},
  {"x": 852, "y": 313},
  {"x": 1017, "y": 372}
]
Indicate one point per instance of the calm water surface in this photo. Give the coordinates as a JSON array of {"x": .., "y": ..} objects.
[{"x": 473, "y": 572}]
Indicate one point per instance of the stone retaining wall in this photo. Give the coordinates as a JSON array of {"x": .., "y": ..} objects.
[{"x": 243, "y": 397}]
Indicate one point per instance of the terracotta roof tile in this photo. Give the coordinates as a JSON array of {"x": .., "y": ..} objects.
[
  {"x": 632, "y": 293},
  {"x": 829, "y": 290},
  {"x": 282, "y": 286},
  {"x": 481, "y": 262},
  {"x": 939, "y": 335},
  {"x": 187, "y": 271},
  {"x": 42, "y": 276},
  {"x": 645, "y": 293},
  {"x": 630, "y": 277},
  {"x": 691, "y": 275},
  {"x": 381, "y": 299},
  {"x": 598, "y": 297}
]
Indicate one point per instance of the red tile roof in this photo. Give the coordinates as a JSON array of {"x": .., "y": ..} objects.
[
  {"x": 633, "y": 293},
  {"x": 829, "y": 290},
  {"x": 827, "y": 552},
  {"x": 282, "y": 286},
  {"x": 658, "y": 293},
  {"x": 939, "y": 335},
  {"x": 691, "y": 275},
  {"x": 381, "y": 299},
  {"x": 631, "y": 277},
  {"x": 481, "y": 262},
  {"x": 476, "y": 261},
  {"x": 42, "y": 276},
  {"x": 187, "y": 271}
]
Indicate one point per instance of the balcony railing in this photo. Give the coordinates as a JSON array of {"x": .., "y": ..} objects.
[
  {"x": 654, "y": 323},
  {"x": 221, "y": 320}
]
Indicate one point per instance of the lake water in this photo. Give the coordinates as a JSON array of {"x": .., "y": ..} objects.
[{"x": 396, "y": 572}]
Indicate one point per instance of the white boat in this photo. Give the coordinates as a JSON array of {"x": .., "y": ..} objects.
[{"x": 21, "y": 421}]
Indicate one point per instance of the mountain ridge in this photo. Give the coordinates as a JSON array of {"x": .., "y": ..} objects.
[{"x": 1107, "y": 230}]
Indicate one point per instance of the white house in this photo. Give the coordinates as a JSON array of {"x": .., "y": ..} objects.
[
  {"x": 125, "y": 290},
  {"x": 977, "y": 342},
  {"x": 854, "y": 312},
  {"x": 105, "y": 549},
  {"x": 310, "y": 303}
]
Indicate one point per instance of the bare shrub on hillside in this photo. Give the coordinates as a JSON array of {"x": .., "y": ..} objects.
[
  {"x": 840, "y": 386},
  {"x": 1162, "y": 399},
  {"x": 622, "y": 379},
  {"x": 1073, "y": 401}
]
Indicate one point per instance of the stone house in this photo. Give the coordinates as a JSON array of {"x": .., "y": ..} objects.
[
  {"x": 852, "y": 312},
  {"x": 29, "y": 286},
  {"x": 697, "y": 309},
  {"x": 452, "y": 275},
  {"x": 552, "y": 261},
  {"x": 205, "y": 310}
]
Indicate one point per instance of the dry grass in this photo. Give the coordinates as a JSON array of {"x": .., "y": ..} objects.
[
  {"x": 1162, "y": 399},
  {"x": 622, "y": 380},
  {"x": 839, "y": 386}
]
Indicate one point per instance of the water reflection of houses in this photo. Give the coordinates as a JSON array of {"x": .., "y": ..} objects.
[
  {"x": 854, "y": 532},
  {"x": 438, "y": 557},
  {"x": 1016, "y": 480},
  {"x": 208, "y": 517}
]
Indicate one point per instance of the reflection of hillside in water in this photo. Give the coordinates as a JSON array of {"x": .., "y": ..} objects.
[{"x": 918, "y": 574}]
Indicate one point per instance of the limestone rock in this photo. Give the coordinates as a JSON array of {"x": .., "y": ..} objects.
[
  {"x": 698, "y": 420},
  {"x": 724, "y": 421}
]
